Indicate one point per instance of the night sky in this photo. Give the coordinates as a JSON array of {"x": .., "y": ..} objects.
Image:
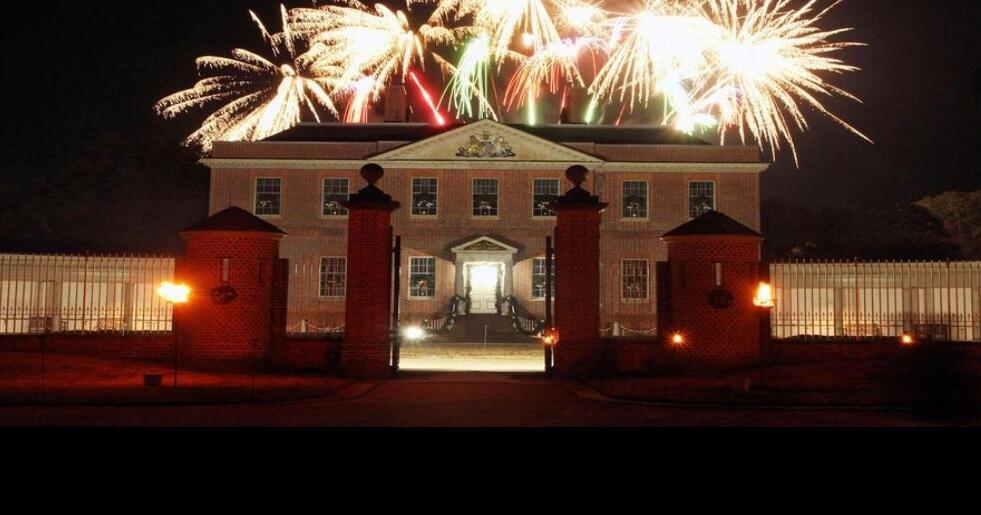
[{"x": 75, "y": 71}]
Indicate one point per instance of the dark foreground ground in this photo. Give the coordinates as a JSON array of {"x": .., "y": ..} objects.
[{"x": 92, "y": 392}]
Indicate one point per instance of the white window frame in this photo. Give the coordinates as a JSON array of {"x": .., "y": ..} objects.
[
  {"x": 323, "y": 197},
  {"x": 255, "y": 197},
  {"x": 623, "y": 276},
  {"x": 435, "y": 278},
  {"x": 647, "y": 201},
  {"x": 558, "y": 193},
  {"x": 544, "y": 261},
  {"x": 473, "y": 194},
  {"x": 715, "y": 196},
  {"x": 412, "y": 200},
  {"x": 322, "y": 275}
]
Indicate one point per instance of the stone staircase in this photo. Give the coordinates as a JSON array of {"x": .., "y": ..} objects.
[{"x": 471, "y": 329}]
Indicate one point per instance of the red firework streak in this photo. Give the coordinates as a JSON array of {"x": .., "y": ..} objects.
[{"x": 427, "y": 97}]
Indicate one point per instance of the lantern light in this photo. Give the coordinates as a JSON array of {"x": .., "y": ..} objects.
[
  {"x": 764, "y": 296},
  {"x": 414, "y": 333},
  {"x": 907, "y": 339},
  {"x": 551, "y": 337},
  {"x": 677, "y": 339},
  {"x": 174, "y": 293}
]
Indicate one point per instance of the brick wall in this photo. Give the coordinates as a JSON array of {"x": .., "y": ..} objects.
[
  {"x": 241, "y": 330},
  {"x": 131, "y": 346},
  {"x": 715, "y": 337},
  {"x": 577, "y": 294},
  {"x": 301, "y": 355},
  {"x": 367, "y": 344}
]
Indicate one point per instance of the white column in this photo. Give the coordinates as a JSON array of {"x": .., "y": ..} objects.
[{"x": 461, "y": 286}]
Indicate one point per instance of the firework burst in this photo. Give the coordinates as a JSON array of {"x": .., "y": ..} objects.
[
  {"x": 661, "y": 42},
  {"x": 749, "y": 66},
  {"x": 767, "y": 64},
  {"x": 258, "y": 98},
  {"x": 350, "y": 42},
  {"x": 554, "y": 67}
]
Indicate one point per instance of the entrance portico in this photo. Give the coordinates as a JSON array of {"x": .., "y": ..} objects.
[{"x": 484, "y": 270}]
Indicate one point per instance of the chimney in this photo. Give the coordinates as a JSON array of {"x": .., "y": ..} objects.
[{"x": 396, "y": 104}]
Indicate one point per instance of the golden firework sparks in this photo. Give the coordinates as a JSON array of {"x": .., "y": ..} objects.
[
  {"x": 753, "y": 66},
  {"x": 258, "y": 97},
  {"x": 767, "y": 64},
  {"x": 553, "y": 67},
  {"x": 350, "y": 42}
]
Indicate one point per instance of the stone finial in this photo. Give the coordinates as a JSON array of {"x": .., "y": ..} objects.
[
  {"x": 577, "y": 175},
  {"x": 577, "y": 197},
  {"x": 372, "y": 173}
]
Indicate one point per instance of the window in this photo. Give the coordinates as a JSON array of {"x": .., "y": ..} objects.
[
  {"x": 701, "y": 198},
  {"x": 538, "y": 279},
  {"x": 425, "y": 197},
  {"x": 485, "y": 197},
  {"x": 546, "y": 192},
  {"x": 335, "y": 192},
  {"x": 268, "y": 193},
  {"x": 422, "y": 277},
  {"x": 635, "y": 279},
  {"x": 635, "y": 199},
  {"x": 333, "y": 277}
]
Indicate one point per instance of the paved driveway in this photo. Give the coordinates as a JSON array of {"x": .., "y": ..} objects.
[{"x": 440, "y": 399}]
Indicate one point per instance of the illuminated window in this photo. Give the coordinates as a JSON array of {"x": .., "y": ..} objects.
[
  {"x": 268, "y": 195},
  {"x": 538, "y": 279},
  {"x": 635, "y": 279},
  {"x": 635, "y": 199},
  {"x": 333, "y": 277},
  {"x": 422, "y": 277},
  {"x": 335, "y": 192},
  {"x": 701, "y": 198},
  {"x": 425, "y": 197},
  {"x": 485, "y": 196},
  {"x": 546, "y": 192}
]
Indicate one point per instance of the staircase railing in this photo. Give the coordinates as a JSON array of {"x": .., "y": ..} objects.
[
  {"x": 444, "y": 325},
  {"x": 525, "y": 326}
]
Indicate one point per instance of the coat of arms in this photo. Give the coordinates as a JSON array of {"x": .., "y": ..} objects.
[{"x": 486, "y": 145}]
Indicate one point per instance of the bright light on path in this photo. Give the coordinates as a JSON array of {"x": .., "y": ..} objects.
[{"x": 473, "y": 357}]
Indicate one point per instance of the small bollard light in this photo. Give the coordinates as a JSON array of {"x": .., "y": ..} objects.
[{"x": 908, "y": 340}]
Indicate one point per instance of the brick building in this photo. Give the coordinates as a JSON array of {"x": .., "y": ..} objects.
[{"x": 475, "y": 207}]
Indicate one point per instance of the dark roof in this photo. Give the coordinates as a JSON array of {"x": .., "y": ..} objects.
[
  {"x": 713, "y": 223},
  {"x": 411, "y": 132},
  {"x": 235, "y": 219}
]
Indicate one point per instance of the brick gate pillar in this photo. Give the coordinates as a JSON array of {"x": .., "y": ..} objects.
[
  {"x": 712, "y": 277},
  {"x": 367, "y": 342},
  {"x": 577, "y": 279},
  {"x": 238, "y": 287}
]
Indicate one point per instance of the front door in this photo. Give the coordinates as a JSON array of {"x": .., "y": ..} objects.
[{"x": 485, "y": 280}]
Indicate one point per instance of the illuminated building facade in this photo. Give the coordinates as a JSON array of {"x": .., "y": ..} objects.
[{"x": 475, "y": 207}]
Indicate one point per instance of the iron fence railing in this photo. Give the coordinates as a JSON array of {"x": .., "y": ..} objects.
[
  {"x": 935, "y": 300},
  {"x": 80, "y": 294},
  {"x": 316, "y": 301}
]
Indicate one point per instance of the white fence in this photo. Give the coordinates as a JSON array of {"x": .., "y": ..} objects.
[
  {"x": 48, "y": 293},
  {"x": 937, "y": 300}
]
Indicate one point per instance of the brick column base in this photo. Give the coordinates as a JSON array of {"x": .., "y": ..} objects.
[
  {"x": 579, "y": 353},
  {"x": 367, "y": 342}
]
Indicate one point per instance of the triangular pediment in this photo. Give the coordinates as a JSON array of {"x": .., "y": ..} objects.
[
  {"x": 488, "y": 143},
  {"x": 484, "y": 244}
]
